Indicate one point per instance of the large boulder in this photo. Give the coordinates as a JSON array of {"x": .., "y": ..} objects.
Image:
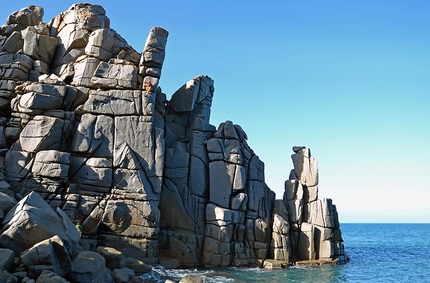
[
  {"x": 122, "y": 275},
  {"x": 48, "y": 276},
  {"x": 7, "y": 259},
  {"x": 114, "y": 258},
  {"x": 136, "y": 265},
  {"x": 90, "y": 267},
  {"x": 32, "y": 220},
  {"x": 192, "y": 279},
  {"x": 6, "y": 202},
  {"x": 49, "y": 254}
]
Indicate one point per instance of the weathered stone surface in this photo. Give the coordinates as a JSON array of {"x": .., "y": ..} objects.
[
  {"x": 137, "y": 265},
  {"x": 37, "y": 45},
  {"x": 7, "y": 259},
  {"x": 13, "y": 43},
  {"x": 322, "y": 213},
  {"x": 32, "y": 220},
  {"x": 89, "y": 267},
  {"x": 192, "y": 279},
  {"x": 114, "y": 102},
  {"x": 306, "y": 245},
  {"x": 28, "y": 16},
  {"x": 94, "y": 135},
  {"x": 168, "y": 262},
  {"x": 100, "y": 42},
  {"x": 314, "y": 221},
  {"x": 305, "y": 167},
  {"x": 122, "y": 275},
  {"x": 48, "y": 276},
  {"x": 43, "y": 133},
  {"x": 50, "y": 254},
  {"x": 152, "y": 57},
  {"x": 51, "y": 164},
  {"x": 117, "y": 74},
  {"x": 6, "y": 202},
  {"x": 275, "y": 264},
  {"x": 84, "y": 123},
  {"x": 114, "y": 258},
  {"x": 84, "y": 70}
]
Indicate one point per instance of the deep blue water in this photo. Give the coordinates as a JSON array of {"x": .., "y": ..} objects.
[{"x": 378, "y": 252}]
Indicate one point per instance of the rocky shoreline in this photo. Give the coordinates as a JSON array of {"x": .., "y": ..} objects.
[{"x": 88, "y": 138}]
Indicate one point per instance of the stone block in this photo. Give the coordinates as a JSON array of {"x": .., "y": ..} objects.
[
  {"x": 17, "y": 164},
  {"x": 32, "y": 220},
  {"x": 295, "y": 209},
  {"x": 43, "y": 133},
  {"x": 94, "y": 135},
  {"x": 100, "y": 176},
  {"x": 36, "y": 103},
  {"x": 84, "y": 70},
  {"x": 131, "y": 218},
  {"x": 38, "y": 46},
  {"x": 100, "y": 44},
  {"x": 306, "y": 246},
  {"x": 261, "y": 230},
  {"x": 13, "y": 43},
  {"x": 111, "y": 75},
  {"x": 114, "y": 258},
  {"x": 293, "y": 190},
  {"x": 256, "y": 195},
  {"x": 89, "y": 267},
  {"x": 142, "y": 249},
  {"x": 141, "y": 141},
  {"x": 220, "y": 186},
  {"x": 184, "y": 99},
  {"x": 137, "y": 266},
  {"x": 114, "y": 102},
  {"x": 220, "y": 233},
  {"x": 310, "y": 194},
  {"x": 218, "y": 215},
  {"x": 192, "y": 279},
  {"x": 240, "y": 178},
  {"x": 7, "y": 259},
  {"x": 50, "y": 254},
  {"x": 198, "y": 179},
  {"x": 321, "y": 213},
  {"x": 6, "y": 202},
  {"x": 305, "y": 167},
  {"x": 238, "y": 201}
]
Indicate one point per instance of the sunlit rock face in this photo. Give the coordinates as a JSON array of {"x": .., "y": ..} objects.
[{"x": 85, "y": 125}]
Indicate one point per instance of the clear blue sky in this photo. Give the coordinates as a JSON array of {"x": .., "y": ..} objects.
[{"x": 349, "y": 79}]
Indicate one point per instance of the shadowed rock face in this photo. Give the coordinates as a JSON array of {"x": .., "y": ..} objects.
[{"x": 86, "y": 126}]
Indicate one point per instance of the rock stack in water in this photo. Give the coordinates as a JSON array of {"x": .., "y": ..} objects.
[
  {"x": 88, "y": 137},
  {"x": 313, "y": 223}
]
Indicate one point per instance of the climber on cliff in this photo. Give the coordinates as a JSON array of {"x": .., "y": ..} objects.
[
  {"x": 79, "y": 228},
  {"x": 148, "y": 86}
]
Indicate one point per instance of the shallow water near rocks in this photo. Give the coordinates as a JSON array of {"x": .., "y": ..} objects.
[{"x": 379, "y": 253}]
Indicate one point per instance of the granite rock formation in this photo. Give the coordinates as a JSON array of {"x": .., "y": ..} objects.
[{"x": 86, "y": 130}]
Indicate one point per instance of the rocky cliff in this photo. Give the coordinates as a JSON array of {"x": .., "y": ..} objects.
[{"x": 85, "y": 125}]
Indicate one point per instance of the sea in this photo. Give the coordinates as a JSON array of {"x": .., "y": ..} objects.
[{"x": 378, "y": 252}]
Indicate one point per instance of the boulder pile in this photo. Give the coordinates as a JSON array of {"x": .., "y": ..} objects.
[{"x": 88, "y": 137}]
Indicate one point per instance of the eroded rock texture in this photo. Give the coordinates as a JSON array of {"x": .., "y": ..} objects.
[{"x": 85, "y": 125}]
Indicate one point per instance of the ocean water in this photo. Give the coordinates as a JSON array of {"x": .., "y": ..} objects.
[{"x": 378, "y": 252}]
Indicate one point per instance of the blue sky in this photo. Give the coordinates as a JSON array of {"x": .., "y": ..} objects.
[{"x": 348, "y": 79}]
